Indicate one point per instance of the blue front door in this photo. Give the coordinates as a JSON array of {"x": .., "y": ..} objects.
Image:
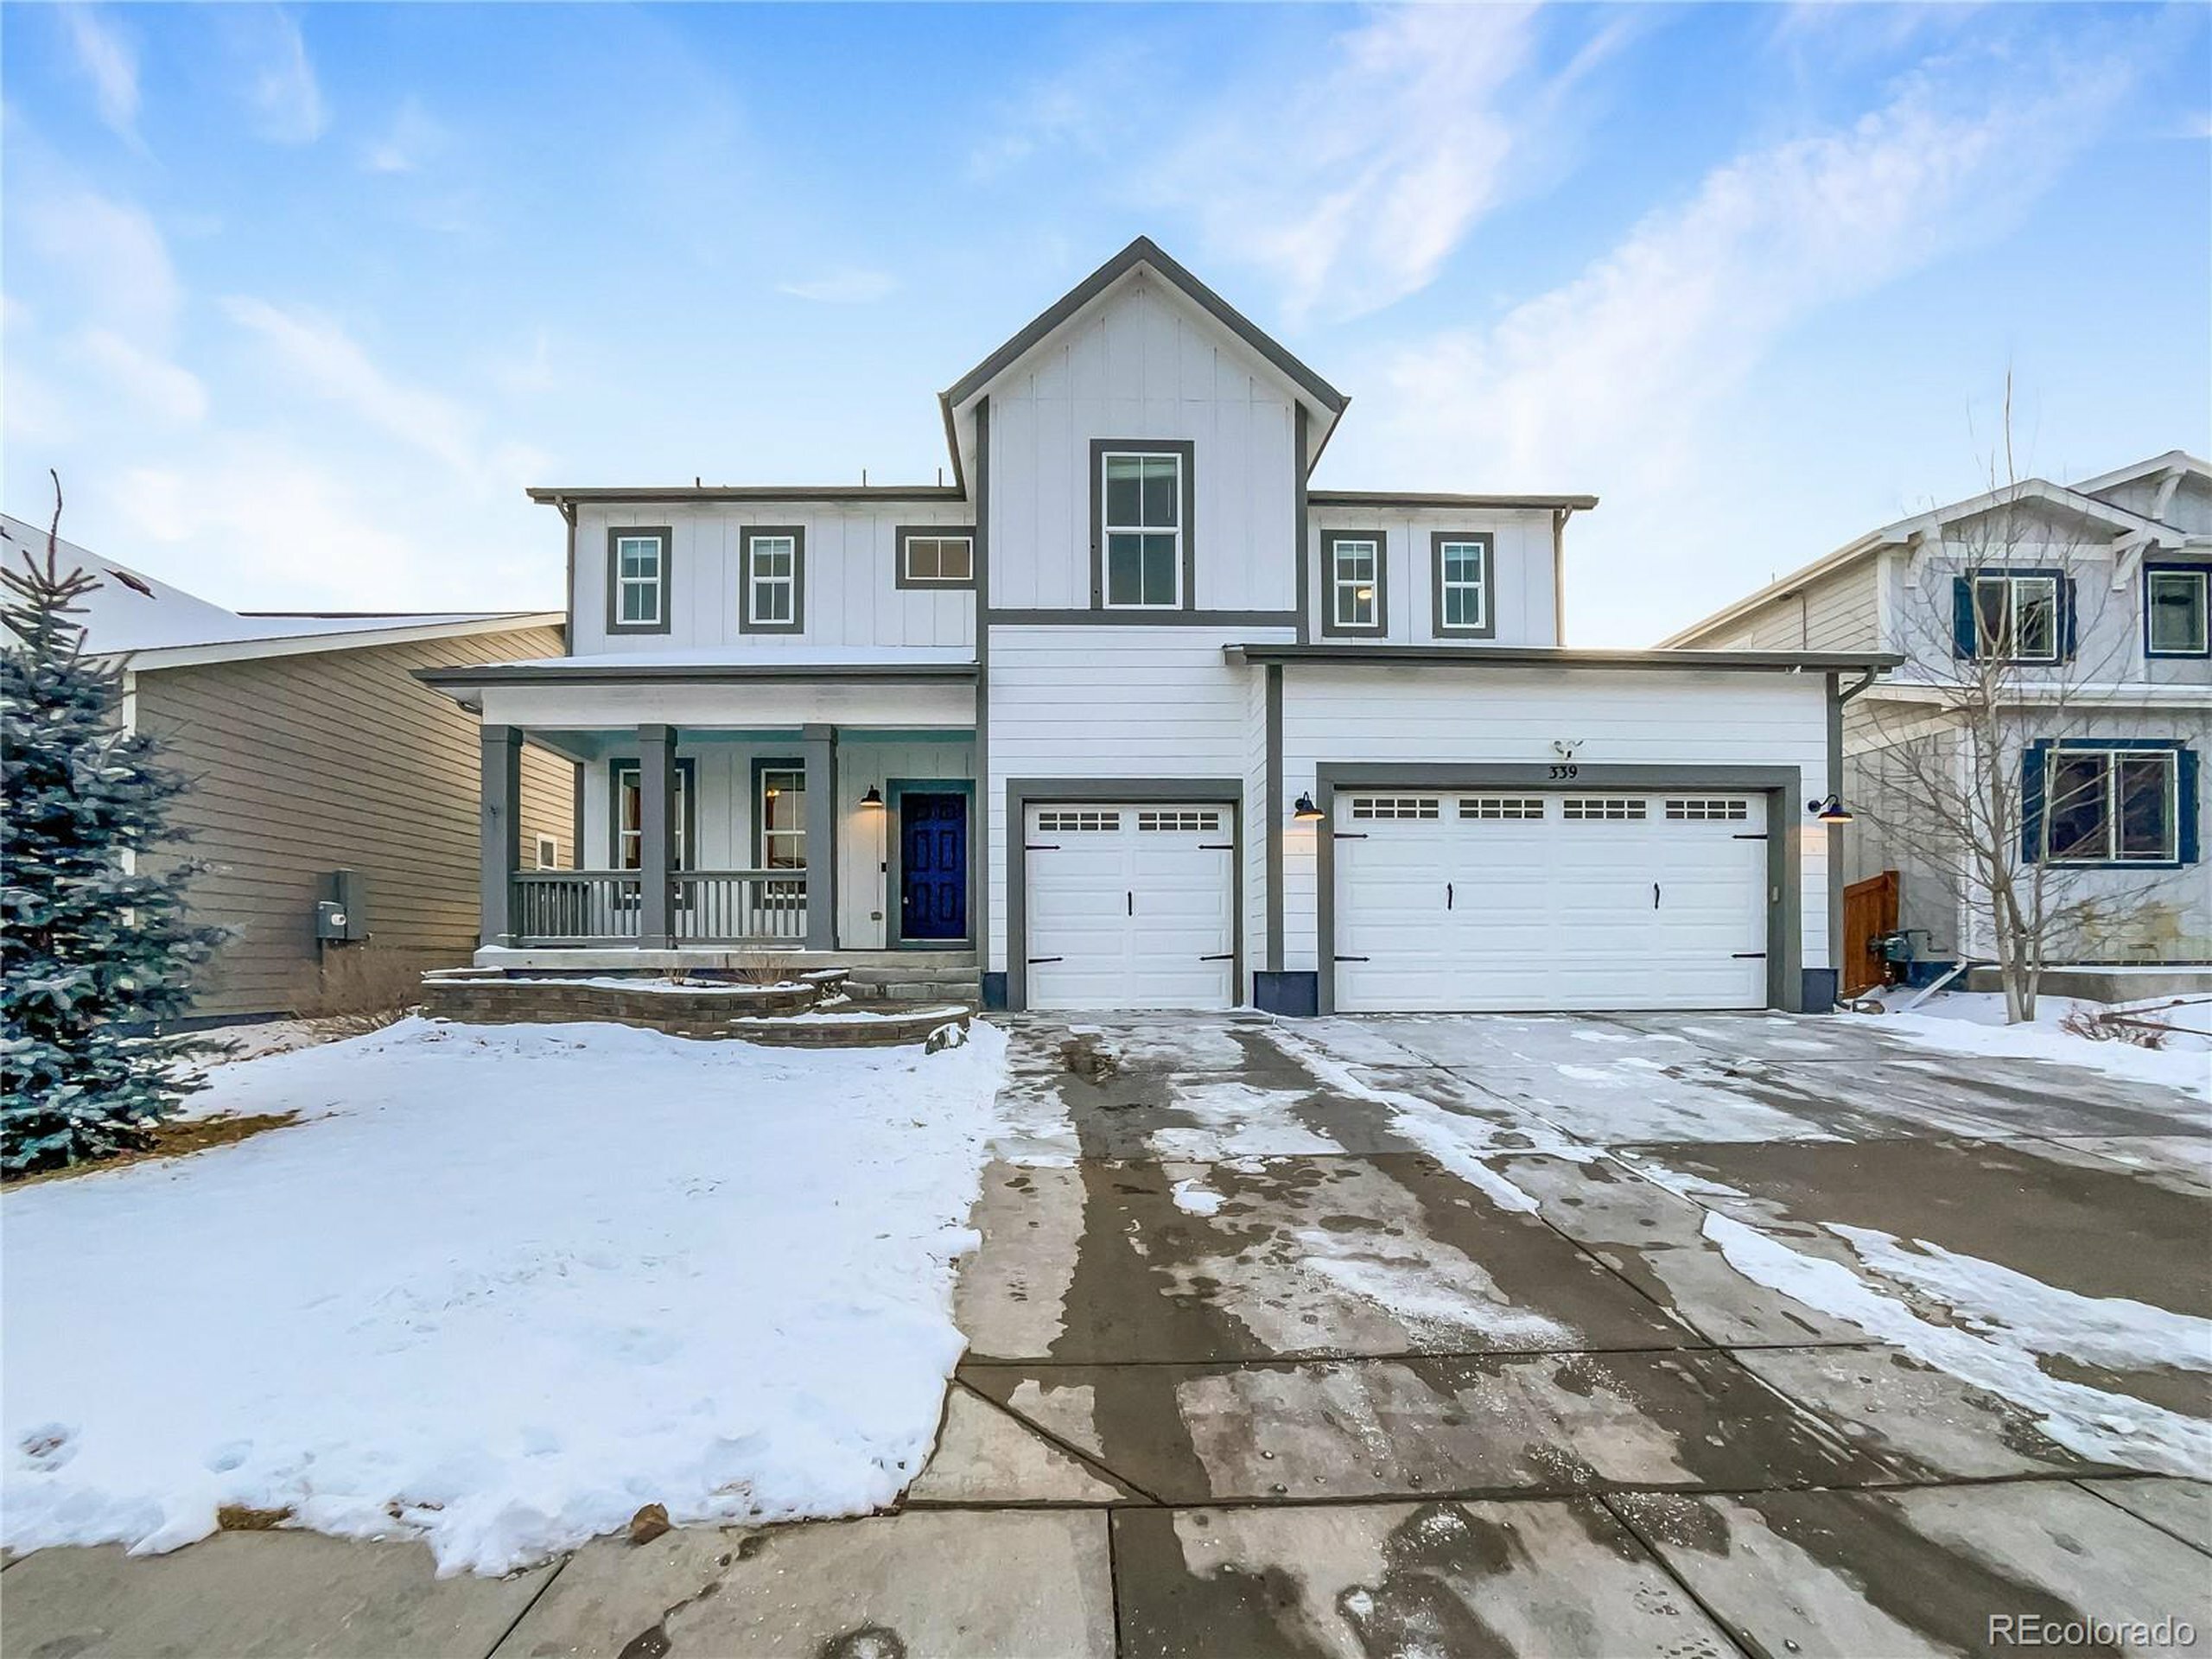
[{"x": 932, "y": 866}]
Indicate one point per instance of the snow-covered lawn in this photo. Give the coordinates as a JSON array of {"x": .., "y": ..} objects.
[
  {"x": 500, "y": 1288},
  {"x": 1973, "y": 1022}
]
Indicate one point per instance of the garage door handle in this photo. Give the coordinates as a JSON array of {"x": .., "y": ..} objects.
[
  {"x": 1750, "y": 955},
  {"x": 1132, "y": 896},
  {"x": 1655, "y": 896},
  {"x": 1351, "y": 958},
  {"x": 1040, "y": 846},
  {"x": 1447, "y": 895},
  {"x": 1033, "y": 961},
  {"x": 1226, "y": 956}
]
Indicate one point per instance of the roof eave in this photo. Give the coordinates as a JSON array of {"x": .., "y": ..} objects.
[{"x": 1562, "y": 657}]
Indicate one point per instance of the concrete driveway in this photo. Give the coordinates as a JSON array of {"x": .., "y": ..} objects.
[{"x": 1460, "y": 1336}]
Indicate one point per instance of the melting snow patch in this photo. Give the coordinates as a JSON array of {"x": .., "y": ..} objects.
[
  {"x": 514, "y": 1283},
  {"x": 1234, "y": 1119},
  {"x": 2106, "y": 1427},
  {"x": 1193, "y": 1197},
  {"x": 1592, "y": 1074}
]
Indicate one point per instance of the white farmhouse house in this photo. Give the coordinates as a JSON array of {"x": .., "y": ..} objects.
[
  {"x": 2073, "y": 618},
  {"x": 1127, "y": 716}
]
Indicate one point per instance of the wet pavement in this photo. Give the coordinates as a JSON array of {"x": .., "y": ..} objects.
[{"x": 1428, "y": 1335}]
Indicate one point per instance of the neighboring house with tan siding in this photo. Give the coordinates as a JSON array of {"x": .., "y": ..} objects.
[{"x": 313, "y": 749}]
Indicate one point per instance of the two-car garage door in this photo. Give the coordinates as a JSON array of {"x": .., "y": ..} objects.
[
  {"x": 1130, "y": 905},
  {"x": 1494, "y": 899}
]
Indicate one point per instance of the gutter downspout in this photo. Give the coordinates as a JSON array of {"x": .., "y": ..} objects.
[{"x": 1560, "y": 516}]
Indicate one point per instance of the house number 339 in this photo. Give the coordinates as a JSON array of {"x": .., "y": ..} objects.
[{"x": 1564, "y": 772}]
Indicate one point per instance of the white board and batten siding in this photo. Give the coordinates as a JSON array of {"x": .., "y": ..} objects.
[
  {"x": 1614, "y": 717},
  {"x": 851, "y": 595},
  {"x": 1523, "y": 594},
  {"x": 1142, "y": 363},
  {"x": 1121, "y": 701}
]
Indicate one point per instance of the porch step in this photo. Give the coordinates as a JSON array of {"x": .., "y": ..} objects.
[{"x": 916, "y": 978}]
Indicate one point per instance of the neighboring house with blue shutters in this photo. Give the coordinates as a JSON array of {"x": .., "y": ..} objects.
[{"x": 2058, "y": 664}]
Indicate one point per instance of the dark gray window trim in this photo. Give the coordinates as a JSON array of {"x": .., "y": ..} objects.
[
  {"x": 616, "y": 534},
  {"x": 687, "y": 769},
  {"x": 1276, "y": 808},
  {"x": 1437, "y": 542},
  {"x": 901, "y": 534},
  {"x": 745, "y": 536},
  {"x": 1185, "y": 451},
  {"x": 753, "y": 803},
  {"x": 895, "y": 791},
  {"x": 1332, "y": 629},
  {"x": 1300, "y": 527},
  {"x": 1022, "y": 792},
  {"x": 1140, "y": 618},
  {"x": 1781, "y": 785},
  {"x": 2169, "y": 567}
]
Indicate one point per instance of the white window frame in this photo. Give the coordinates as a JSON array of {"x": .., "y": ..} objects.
[
  {"x": 620, "y": 541},
  {"x": 1445, "y": 586},
  {"x": 2004, "y": 648},
  {"x": 910, "y": 536},
  {"x": 1343, "y": 587},
  {"x": 762, "y": 783},
  {"x": 752, "y": 540},
  {"x": 624, "y": 777},
  {"x": 2199, "y": 578},
  {"x": 2110, "y": 760},
  {"x": 1107, "y": 529}
]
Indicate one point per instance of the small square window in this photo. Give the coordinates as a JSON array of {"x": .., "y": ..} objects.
[{"x": 931, "y": 555}]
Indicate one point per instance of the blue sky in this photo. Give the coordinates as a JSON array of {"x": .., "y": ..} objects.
[{"x": 298, "y": 301}]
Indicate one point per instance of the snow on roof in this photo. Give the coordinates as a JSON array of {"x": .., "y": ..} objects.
[{"x": 132, "y": 612}]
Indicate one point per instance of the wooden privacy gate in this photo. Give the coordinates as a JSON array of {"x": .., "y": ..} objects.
[{"x": 1870, "y": 909}]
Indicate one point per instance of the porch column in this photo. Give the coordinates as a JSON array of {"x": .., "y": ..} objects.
[
  {"x": 499, "y": 828},
  {"x": 819, "y": 744},
  {"x": 657, "y": 842}
]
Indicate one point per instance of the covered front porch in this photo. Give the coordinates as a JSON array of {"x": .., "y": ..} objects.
[{"x": 698, "y": 844}]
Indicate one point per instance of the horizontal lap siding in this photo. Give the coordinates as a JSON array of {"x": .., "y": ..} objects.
[
  {"x": 331, "y": 760},
  {"x": 1422, "y": 716},
  {"x": 1836, "y": 612},
  {"x": 1113, "y": 702}
]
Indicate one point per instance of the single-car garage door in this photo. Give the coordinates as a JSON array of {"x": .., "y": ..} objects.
[
  {"x": 1129, "y": 906},
  {"x": 1496, "y": 900}
]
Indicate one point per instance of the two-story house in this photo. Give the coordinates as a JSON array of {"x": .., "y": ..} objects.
[
  {"x": 2058, "y": 657},
  {"x": 1128, "y": 717}
]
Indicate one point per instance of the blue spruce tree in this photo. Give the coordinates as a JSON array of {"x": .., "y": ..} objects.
[{"x": 94, "y": 945}]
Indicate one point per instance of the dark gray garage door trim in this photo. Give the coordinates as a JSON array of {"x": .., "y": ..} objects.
[
  {"x": 1780, "y": 785},
  {"x": 1022, "y": 793}
]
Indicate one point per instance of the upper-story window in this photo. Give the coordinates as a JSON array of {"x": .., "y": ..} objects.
[
  {"x": 637, "y": 578},
  {"x": 1460, "y": 566},
  {"x": 935, "y": 555},
  {"x": 2113, "y": 806},
  {"x": 1140, "y": 506},
  {"x": 2173, "y": 611},
  {"x": 2013, "y": 616},
  {"x": 1352, "y": 564},
  {"x": 773, "y": 561}
]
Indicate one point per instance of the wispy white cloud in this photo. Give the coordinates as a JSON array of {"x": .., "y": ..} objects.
[
  {"x": 279, "y": 84},
  {"x": 318, "y": 354},
  {"x": 1608, "y": 374},
  {"x": 412, "y": 139},
  {"x": 110, "y": 60},
  {"x": 163, "y": 389},
  {"x": 847, "y": 286},
  {"x": 108, "y": 255}
]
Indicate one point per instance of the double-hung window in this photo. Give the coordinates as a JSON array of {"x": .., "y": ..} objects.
[
  {"x": 772, "y": 560},
  {"x": 780, "y": 810},
  {"x": 1143, "y": 503},
  {"x": 2173, "y": 611},
  {"x": 932, "y": 556},
  {"x": 2017, "y": 616},
  {"x": 630, "y": 815},
  {"x": 1461, "y": 570},
  {"x": 1354, "y": 563},
  {"x": 2112, "y": 806},
  {"x": 637, "y": 580}
]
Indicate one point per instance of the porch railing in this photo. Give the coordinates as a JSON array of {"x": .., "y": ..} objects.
[{"x": 603, "y": 907}]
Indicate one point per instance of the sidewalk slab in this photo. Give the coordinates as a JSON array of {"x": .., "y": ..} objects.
[
  {"x": 257, "y": 1595},
  {"x": 930, "y": 1583},
  {"x": 1359, "y": 1580}
]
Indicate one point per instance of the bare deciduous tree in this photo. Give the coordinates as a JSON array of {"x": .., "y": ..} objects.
[{"x": 1996, "y": 759}]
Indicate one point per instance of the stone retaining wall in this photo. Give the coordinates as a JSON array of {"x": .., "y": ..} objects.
[{"x": 756, "y": 1015}]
